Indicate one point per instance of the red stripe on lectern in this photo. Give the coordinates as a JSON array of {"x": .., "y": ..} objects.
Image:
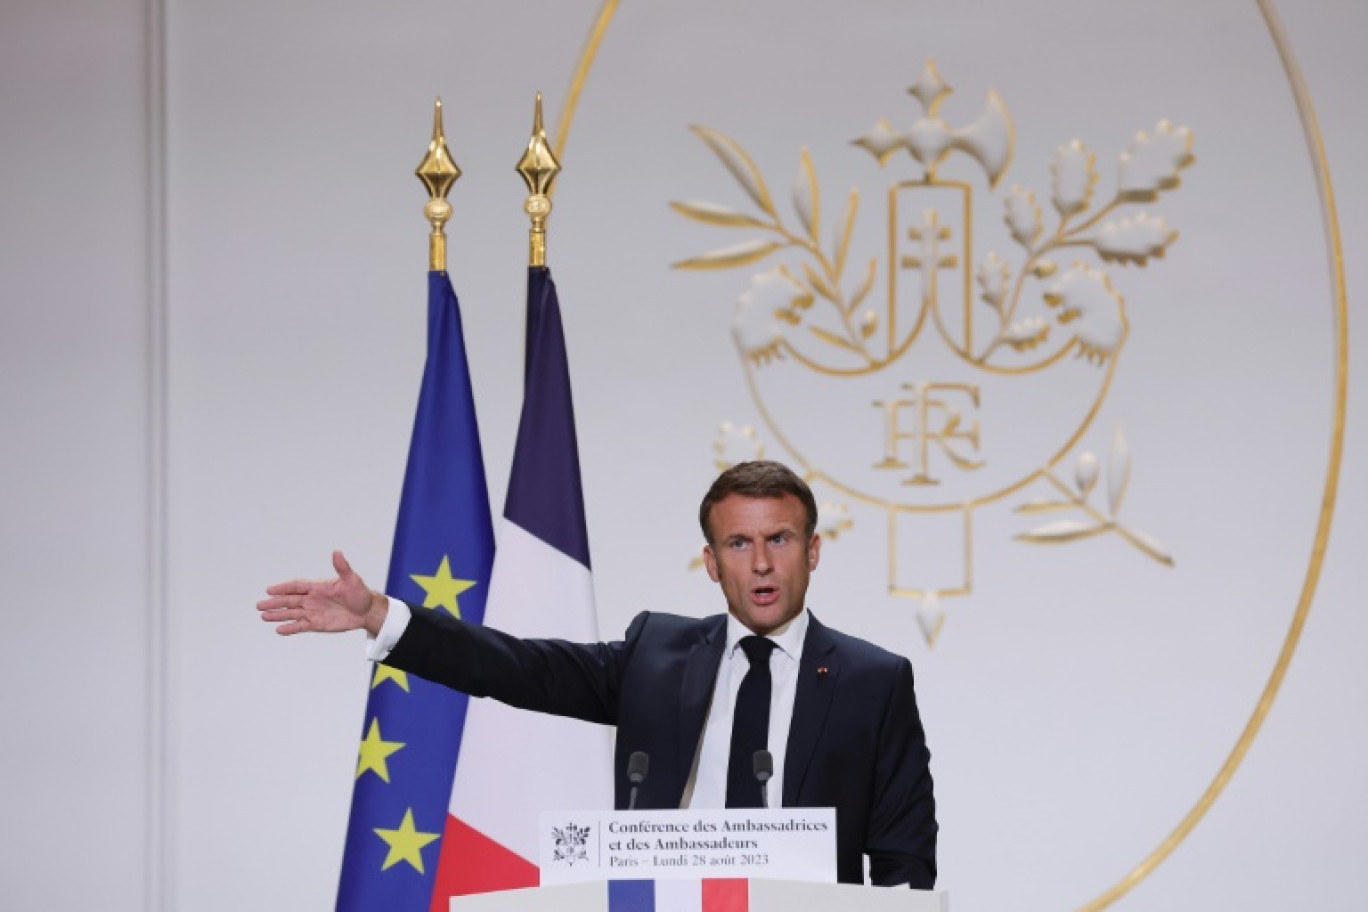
[
  {"x": 726, "y": 895},
  {"x": 471, "y": 862}
]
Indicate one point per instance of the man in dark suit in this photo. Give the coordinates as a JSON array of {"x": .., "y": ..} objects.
[{"x": 838, "y": 714}]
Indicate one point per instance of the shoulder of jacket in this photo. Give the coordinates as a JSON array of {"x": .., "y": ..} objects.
[
  {"x": 855, "y": 647},
  {"x": 658, "y": 624}
]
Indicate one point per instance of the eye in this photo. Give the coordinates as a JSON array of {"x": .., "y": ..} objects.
[{"x": 780, "y": 538}]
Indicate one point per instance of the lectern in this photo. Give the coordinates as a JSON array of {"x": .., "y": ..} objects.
[{"x": 656, "y": 861}]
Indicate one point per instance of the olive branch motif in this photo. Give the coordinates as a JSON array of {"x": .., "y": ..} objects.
[
  {"x": 822, "y": 274},
  {"x": 1078, "y": 497}
]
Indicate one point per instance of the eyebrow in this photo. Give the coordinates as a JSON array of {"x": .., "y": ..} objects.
[{"x": 744, "y": 536}]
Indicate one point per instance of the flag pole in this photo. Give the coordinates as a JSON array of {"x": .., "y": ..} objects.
[
  {"x": 538, "y": 168},
  {"x": 437, "y": 172}
]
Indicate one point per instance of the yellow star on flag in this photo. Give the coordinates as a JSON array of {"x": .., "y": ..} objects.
[
  {"x": 375, "y": 752},
  {"x": 384, "y": 673},
  {"x": 405, "y": 843},
  {"x": 442, "y": 589}
]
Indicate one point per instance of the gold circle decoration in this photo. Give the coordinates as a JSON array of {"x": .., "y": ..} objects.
[
  {"x": 1311, "y": 576},
  {"x": 1340, "y": 305}
]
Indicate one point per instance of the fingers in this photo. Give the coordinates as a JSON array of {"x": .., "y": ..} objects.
[
  {"x": 299, "y": 626},
  {"x": 291, "y": 587},
  {"x": 300, "y": 605},
  {"x": 290, "y": 617},
  {"x": 275, "y": 610},
  {"x": 280, "y": 601},
  {"x": 305, "y": 586}
]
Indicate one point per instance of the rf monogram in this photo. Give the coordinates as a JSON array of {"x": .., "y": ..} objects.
[{"x": 931, "y": 417}]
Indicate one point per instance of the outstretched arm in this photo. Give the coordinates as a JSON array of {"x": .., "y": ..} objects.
[{"x": 325, "y": 606}]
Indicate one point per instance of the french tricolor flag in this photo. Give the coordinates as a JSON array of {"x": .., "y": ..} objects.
[
  {"x": 515, "y": 764},
  {"x": 719, "y": 895}
]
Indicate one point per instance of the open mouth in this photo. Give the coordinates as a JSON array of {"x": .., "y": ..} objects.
[{"x": 764, "y": 595}]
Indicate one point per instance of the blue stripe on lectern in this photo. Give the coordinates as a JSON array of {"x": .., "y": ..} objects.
[{"x": 631, "y": 896}]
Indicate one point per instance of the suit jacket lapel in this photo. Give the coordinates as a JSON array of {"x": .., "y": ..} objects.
[
  {"x": 700, "y": 674},
  {"x": 817, "y": 675}
]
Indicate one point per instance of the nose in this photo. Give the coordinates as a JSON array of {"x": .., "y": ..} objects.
[{"x": 762, "y": 563}]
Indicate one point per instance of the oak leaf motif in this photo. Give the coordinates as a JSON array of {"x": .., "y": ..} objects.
[
  {"x": 1023, "y": 216},
  {"x": 771, "y": 295},
  {"x": 1084, "y": 298},
  {"x": 1027, "y": 333},
  {"x": 1074, "y": 176},
  {"x": 1135, "y": 239},
  {"x": 1152, "y": 161},
  {"x": 994, "y": 277}
]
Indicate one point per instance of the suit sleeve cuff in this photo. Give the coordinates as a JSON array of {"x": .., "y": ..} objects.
[{"x": 396, "y": 622}]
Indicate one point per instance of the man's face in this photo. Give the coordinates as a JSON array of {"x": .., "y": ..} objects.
[{"x": 760, "y": 559}]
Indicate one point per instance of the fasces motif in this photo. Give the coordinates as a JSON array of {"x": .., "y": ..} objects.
[{"x": 972, "y": 376}]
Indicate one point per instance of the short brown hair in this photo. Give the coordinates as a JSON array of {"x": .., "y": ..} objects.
[{"x": 760, "y": 478}]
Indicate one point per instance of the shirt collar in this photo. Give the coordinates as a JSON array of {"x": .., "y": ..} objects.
[{"x": 789, "y": 637}]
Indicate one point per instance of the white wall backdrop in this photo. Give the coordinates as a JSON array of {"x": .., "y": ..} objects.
[{"x": 212, "y": 294}]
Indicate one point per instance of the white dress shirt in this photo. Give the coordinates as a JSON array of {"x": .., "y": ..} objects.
[
  {"x": 396, "y": 622},
  {"x": 707, "y": 786}
]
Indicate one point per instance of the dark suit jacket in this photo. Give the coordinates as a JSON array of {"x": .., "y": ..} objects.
[{"x": 855, "y": 743}]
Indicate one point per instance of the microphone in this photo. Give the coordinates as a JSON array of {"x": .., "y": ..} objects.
[
  {"x": 763, "y": 766},
  {"x": 638, "y": 765}
]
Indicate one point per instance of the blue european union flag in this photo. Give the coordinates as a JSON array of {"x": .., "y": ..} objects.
[{"x": 443, "y": 551}]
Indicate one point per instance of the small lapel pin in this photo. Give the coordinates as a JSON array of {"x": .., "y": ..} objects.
[{"x": 821, "y": 669}]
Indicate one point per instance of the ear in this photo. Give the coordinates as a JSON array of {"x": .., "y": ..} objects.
[
  {"x": 814, "y": 551},
  {"x": 710, "y": 562}
]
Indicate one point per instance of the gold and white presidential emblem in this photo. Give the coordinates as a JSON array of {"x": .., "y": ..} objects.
[
  {"x": 995, "y": 342},
  {"x": 917, "y": 383}
]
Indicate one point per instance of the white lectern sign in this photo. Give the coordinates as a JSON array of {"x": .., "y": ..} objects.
[{"x": 778, "y": 843}]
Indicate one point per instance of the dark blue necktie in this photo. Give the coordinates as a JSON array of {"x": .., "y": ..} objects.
[{"x": 750, "y": 725}]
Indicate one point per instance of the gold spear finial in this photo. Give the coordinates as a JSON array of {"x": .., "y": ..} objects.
[
  {"x": 437, "y": 172},
  {"x": 538, "y": 168}
]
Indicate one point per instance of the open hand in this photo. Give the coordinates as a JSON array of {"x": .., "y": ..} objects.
[{"x": 325, "y": 606}]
